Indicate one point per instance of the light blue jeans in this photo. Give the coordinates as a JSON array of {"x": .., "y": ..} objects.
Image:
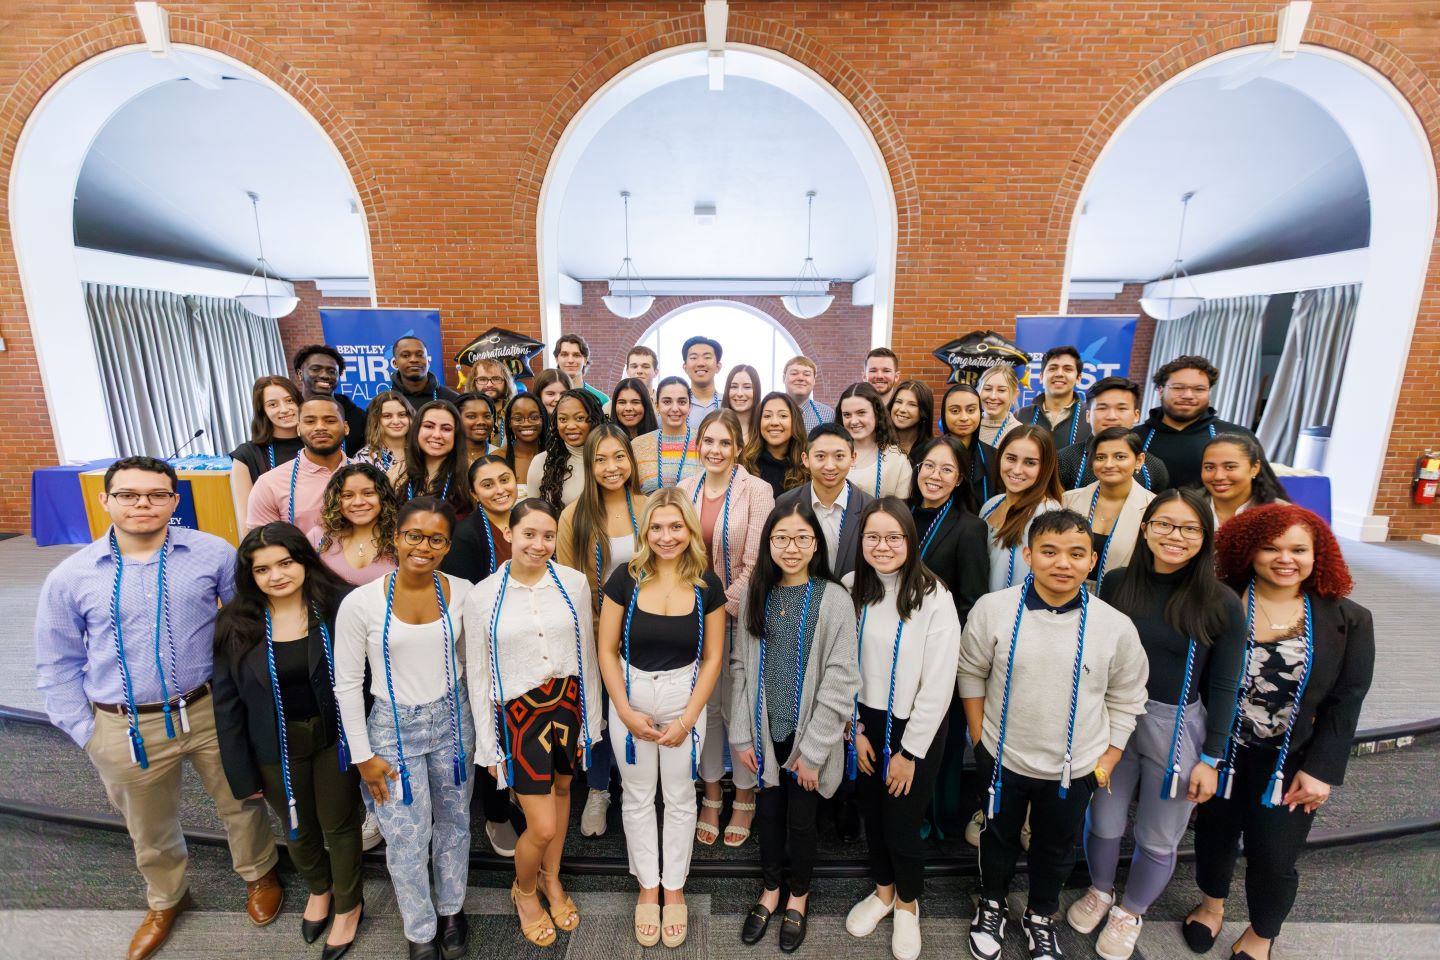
[{"x": 438, "y": 813}]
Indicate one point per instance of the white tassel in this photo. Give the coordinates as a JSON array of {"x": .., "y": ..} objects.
[
  {"x": 1228, "y": 781},
  {"x": 1277, "y": 794},
  {"x": 133, "y": 757},
  {"x": 1065, "y": 775},
  {"x": 294, "y": 816},
  {"x": 1175, "y": 781},
  {"x": 990, "y": 810},
  {"x": 184, "y": 717}
]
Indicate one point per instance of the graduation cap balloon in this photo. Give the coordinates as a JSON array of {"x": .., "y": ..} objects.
[
  {"x": 515, "y": 350},
  {"x": 971, "y": 355}
]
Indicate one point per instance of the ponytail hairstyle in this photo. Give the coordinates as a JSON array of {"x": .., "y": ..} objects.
[
  {"x": 557, "y": 454},
  {"x": 1046, "y": 486}
]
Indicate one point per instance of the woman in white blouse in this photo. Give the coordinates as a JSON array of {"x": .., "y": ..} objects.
[
  {"x": 880, "y": 468},
  {"x": 413, "y": 750},
  {"x": 536, "y": 695},
  {"x": 909, "y": 638}
]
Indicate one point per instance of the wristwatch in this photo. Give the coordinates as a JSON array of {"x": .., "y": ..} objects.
[{"x": 909, "y": 756}]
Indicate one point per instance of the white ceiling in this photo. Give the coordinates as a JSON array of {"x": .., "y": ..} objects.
[
  {"x": 1274, "y": 177},
  {"x": 753, "y": 150},
  {"x": 167, "y": 177}
]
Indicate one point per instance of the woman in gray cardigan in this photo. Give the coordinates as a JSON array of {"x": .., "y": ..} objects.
[{"x": 794, "y": 676}]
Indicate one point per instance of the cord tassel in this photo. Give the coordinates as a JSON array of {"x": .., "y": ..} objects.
[
  {"x": 342, "y": 749},
  {"x": 1274, "y": 793},
  {"x": 587, "y": 753},
  {"x": 169, "y": 724},
  {"x": 1065, "y": 777},
  {"x": 630, "y": 749},
  {"x": 406, "y": 796},
  {"x": 885, "y": 767},
  {"x": 694, "y": 754},
  {"x": 1224, "y": 788},
  {"x": 184, "y": 717},
  {"x": 1172, "y": 781},
  {"x": 137, "y": 749},
  {"x": 852, "y": 762},
  {"x": 294, "y": 819},
  {"x": 993, "y": 805},
  {"x": 455, "y": 769}
]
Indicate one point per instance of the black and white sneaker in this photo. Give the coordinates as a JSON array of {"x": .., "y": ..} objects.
[
  {"x": 987, "y": 930},
  {"x": 1040, "y": 935}
]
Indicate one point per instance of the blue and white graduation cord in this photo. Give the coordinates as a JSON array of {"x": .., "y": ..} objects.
[
  {"x": 1145, "y": 448},
  {"x": 934, "y": 527},
  {"x": 999, "y": 431},
  {"x": 799, "y": 680},
  {"x": 659, "y": 450},
  {"x": 1105, "y": 550},
  {"x": 444, "y": 493},
  {"x": 1170, "y": 788},
  {"x": 600, "y": 557},
  {"x": 162, "y": 614},
  {"x": 452, "y": 689},
  {"x": 1274, "y": 789},
  {"x": 993, "y": 804},
  {"x": 1074, "y": 419},
  {"x": 1010, "y": 568},
  {"x": 852, "y": 763},
  {"x": 280, "y": 722},
  {"x": 724, "y": 521},
  {"x": 694, "y": 676}
]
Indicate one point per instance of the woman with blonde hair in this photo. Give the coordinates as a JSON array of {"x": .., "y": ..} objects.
[
  {"x": 999, "y": 389},
  {"x": 661, "y": 642}
]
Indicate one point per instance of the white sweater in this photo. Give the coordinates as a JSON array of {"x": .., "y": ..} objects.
[
  {"x": 895, "y": 473},
  {"x": 536, "y": 643},
  {"x": 929, "y": 651},
  {"x": 574, "y": 484},
  {"x": 417, "y": 656}
]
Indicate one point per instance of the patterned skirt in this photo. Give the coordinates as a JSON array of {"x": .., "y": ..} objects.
[{"x": 545, "y": 734}]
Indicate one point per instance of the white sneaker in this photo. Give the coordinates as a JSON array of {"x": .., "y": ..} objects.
[
  {"x": 502, "y": 838},
  {"x": 1117, "y": 940},
  {"x": 592, "y": 818},
  {"x": 905, "y": 937},
  {"x": 1089, "y": 911},
  {"x": 370, "y": 832},
  {"x": 973, "y": 828},
  {"x": 866, "y": 915}
]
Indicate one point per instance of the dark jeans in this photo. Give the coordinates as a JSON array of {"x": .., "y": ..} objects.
[
  {"x": 494, "y": 802},
  {"x": 1055, "y": 826},
  {"x": 785, "y": 818},
  {"x": 892, "y": 824},
  {"x": 1274, "y": 837},
  {"x": 327, "y": 804},
  {"x": 602, "y": 755}
]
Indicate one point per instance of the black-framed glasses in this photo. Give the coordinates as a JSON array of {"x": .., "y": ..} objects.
[
  {"x": 892, "y": 540},
  {"x": 415, "y": 538},
  {"x": 156, "y": 498},
  {"x": 1163, "y": 528},
  {"x": 804, "y": 541}
]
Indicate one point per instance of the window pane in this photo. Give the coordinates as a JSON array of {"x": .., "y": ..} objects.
[{"x": 744, "y": 337}]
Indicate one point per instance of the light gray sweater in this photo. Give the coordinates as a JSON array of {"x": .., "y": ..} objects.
[
  {"x": 1112, "y": 682},
  {"x": 832, "y": 678}
]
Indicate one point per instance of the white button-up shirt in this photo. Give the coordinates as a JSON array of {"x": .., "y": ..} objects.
[{"x": 830, "y": 519}]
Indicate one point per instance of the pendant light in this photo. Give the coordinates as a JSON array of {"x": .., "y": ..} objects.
[
  {"x": 628, "y": 304},
  {"x": 1173, "y": 307},
  {"x": 808, "y": 298},
  {"x": 263, "y": 303}
]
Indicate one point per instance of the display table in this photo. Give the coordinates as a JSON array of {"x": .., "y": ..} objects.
[
  {"x": 1312, "y": 493},
  {"x": 57, "y": 506},
  {"x": 205, "y": 502}
]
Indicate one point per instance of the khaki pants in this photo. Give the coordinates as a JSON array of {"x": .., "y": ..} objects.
[{"x": 149, "y": 799}]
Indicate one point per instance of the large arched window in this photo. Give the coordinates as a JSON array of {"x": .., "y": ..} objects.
[{"x": 745, "y": 335}]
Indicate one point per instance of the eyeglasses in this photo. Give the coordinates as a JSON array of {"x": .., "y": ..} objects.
[
  {"x": 1186, "y": 390},
  {"x": 156, "y": 498},
  {"x": 892, "y": 540},
  {"x": 804, "y": 541},
  {"x": 1163, "y": 528},
  {"x": 415, "y": 538},
  {"x": 490, "y": 380},
  {"x": 529, "y": 420},
  {"x": 946, "y": 471}
]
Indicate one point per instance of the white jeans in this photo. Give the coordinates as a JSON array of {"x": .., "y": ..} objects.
[
  {"x": 712, "y": 757},
  {"x": 663, "y": 697}
]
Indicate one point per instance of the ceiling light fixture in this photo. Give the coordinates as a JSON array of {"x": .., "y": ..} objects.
[
  {"x": 627, "y": 304},
  {"x": 263, "y": 303},
  {"x": 1173, "y": 307},
  {"x": 809, "y": 297}
]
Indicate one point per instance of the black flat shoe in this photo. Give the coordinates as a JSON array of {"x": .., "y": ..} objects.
[
  {"x": 792, "y": 930},
  {"x": 757, "y": 921},
  {"x": 453, "y": 935},
  {"x": 310, "y": 930},
  {"x": 337, "y": 951},
  {"x": 1197, "y": 936},
  {"x": 423, "y": 951}
]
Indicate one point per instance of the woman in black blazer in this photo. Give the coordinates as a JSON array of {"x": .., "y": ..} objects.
[
  {"x": 1309, "y": 659},
  {"x": 274, "y": 662},
  {"x": 954, "y": 544}
]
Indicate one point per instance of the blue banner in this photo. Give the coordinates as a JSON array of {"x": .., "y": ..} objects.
[
  {"x": 1104, "y": 344},
  {"x": 364, "y": 337},
  {"x": 184, "y": 515}
]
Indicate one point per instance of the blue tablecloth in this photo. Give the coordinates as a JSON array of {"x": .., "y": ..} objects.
[
  {"x": 57, "y": 507},
  {"x": 1312, "y": 493}
]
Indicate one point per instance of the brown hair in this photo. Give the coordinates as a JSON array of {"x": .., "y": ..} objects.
[
  {"x": 261, "y": 429},
  {"x": 1046, "y": 487}
]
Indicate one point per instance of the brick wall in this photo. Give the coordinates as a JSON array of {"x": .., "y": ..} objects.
[
  {"x": 837, "y": 340},
  {"x": 1127, "y": 301},
  {"x": 989, "y": 116}
]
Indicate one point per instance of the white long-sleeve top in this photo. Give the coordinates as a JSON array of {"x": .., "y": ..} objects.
[
  {"x": 417, "y": 656},
  {"x": 1006, "y": 572},
  {"x": 534, "y": 642},
  {"x": 924, "y": 670},
  {"x": 895, "y": 473}
]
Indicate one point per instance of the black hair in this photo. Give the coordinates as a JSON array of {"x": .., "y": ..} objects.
[
  {"x": 831, "y": 429},
  {"x": 409, "y": 336},
  {"x": 1265, "y": 486},
  {"x": 964, "y": 491},
  {"x": 417, "y": 475},
  {"x": 531, "y": 505},
  {"x": 426, "y": 505},
  {"x": 240, "y": 624},
  {"x": 671, "y": 382},
  {"x": 557, "y": 454},
  {"x": 477, "y": 397},
  {"x": 540, "y": 441},
  {"x": 648, "y": 423},
  {"x": 1187, "y": 362},
  {"x": 700, "y": 341},
  {"x": 1116, "y": 433},
  {"x": 479, "y": 462},
  {"x": 1106, "y": 384},
  {"x": 1062, "y": 351},
  {"x": 917, "y": 581},
  {"x": 326, "y": 398},
  {"x": 311, "y": 348},
  {"x": 767, "y": 573},
  {"x": 958, "y": 388},
  {"x": 1197, "y": 606},
  {"x": 148, "y": 464},
  {"x": 1057, "y": 521}
]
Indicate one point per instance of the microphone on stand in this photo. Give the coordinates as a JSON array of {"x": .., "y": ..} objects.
[{"x": 193, "y": 437}]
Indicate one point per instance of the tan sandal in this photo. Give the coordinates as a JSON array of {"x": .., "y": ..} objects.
[
  {"x": 538, "y": 931},
  {"x": 708, "y": 833},
  {"x": 562, "y": 911},
  {"x": 674, "y": 915},
  {"x": 647, "y": 915},
  {"x": 742, "y": 832}
]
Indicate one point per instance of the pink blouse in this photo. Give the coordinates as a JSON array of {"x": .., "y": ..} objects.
[{"x": 334, "y": 558}]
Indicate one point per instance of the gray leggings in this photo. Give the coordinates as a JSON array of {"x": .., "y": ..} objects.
[{"x": 1159, "y": 823}]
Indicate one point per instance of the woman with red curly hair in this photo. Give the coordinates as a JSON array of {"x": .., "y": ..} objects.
[{"x": 1310, "y": 654}]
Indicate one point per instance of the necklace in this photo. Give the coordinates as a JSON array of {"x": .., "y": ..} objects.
[{"x": 1274, "y": 625}]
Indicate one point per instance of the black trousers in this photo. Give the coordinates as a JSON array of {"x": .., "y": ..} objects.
[
  {"x": 1055, "y": 826},
  {"x": 892, "y": 824},
  {"x": 492, "y": 800},
  {"x": 1274, "y": 837},
  {"x": 785, "y": 818}
]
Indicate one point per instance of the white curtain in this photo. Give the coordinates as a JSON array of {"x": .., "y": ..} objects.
[
  {"x": 1307, "y": 381},
  {"x": 1227, "y": 333},
  {"x": 171, "y": 365}
]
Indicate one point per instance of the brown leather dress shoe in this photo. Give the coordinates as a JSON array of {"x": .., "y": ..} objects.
[
  {"x": 264, "y": 897},
  {"x": 155, "y": 929}
]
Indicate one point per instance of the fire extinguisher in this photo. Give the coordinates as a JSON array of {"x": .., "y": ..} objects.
[{"x": 1427, "y": 478}]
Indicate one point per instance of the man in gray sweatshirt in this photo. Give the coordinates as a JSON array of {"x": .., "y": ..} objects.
[{"x": 1052, "y": 681}]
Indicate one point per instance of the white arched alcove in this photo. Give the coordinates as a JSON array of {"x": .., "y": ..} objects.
[
  {"x": 755, "y": 324},
  {"x": 741, "y": 60},
  {"x": 1399, "y": 169},
  {"x": 48, "y": 158}
]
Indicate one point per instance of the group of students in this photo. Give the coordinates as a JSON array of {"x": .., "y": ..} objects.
[{"x": 512, "y": 589}]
